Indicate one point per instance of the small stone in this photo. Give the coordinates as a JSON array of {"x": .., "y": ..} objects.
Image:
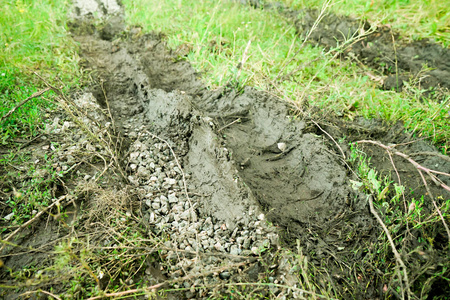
[
  {"x": 170, "y": 181},
  {"x": 134, "y": 156},
  {"x": 246, "y": 243},
  {"x": 233, "y": 235},
  {"x": 225, "y": 275},
  {"x": 173, "y": 198},
  {"x": 148, "y": 202},
  {"x": 9, "y": 216},
  {"x": 156, "y": 205},
  {"x": 152, "y": 218},
  {"x": 219, "y": 247},
  {"x": 133, "y": 180},
  {"x": 281, "y": 146},
  {"x": 143, "y": 172},
  {"x": 234, "y": 250},
  {"x": 240, "y": 240}
]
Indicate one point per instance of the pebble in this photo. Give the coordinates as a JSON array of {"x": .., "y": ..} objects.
[
  {"x": 225, "y": 275},
  {"x": 234, "y": 250}
]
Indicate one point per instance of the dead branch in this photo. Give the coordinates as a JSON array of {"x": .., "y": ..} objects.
[
  {"x": 159, "y": 285},
  {"x": 441, "y": 156},
  {"x": 34, "y": 95},
  {"x": 394, "y": 250},
  {"x": 339, "y": 147},
  {"x": 420, "y": 168}
]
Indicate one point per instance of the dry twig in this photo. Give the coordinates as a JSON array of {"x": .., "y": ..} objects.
[
  {"x": 420, "y": 169},
  {"x": 40, "y": 291},
  {"x": 394, "y": 250},
  {"x": 34, "y": 95}
]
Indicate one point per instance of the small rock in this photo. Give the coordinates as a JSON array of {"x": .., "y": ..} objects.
[
  {"x": 152, "y": 218},
  {"x": 148, "y": 202},
  {"x": 170, "y": 181},
  {"x": 240, "y": 240},
  {"x": 219, "y": 247},
  {"x": 234, "y": 250},
  {"x": 9, "y": 216},
  {"x": 246, "y": 243},
  {"x": 225, "y": 275},
  {"x": 173, "y": 198}
]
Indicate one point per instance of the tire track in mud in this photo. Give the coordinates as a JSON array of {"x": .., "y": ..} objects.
[
  {"x": 302, "y": 185},
  {"x": 242, "y": 151}
]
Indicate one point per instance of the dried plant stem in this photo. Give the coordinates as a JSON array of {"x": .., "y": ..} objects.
[
  {"x": 394, "y": 250},
  {"x": 41, "y": 291},
  {"x": 420, "y": 169},
  {"x": 339, "y": 147},
  {"x": 34, "y": 95}
]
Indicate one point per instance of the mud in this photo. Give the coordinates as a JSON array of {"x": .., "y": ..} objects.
[
  {"x": 237, "y": 164},
  {"x": 245, "y": 153}
]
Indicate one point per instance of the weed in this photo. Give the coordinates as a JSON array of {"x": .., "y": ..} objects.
[{"x": 33, "y": 37}]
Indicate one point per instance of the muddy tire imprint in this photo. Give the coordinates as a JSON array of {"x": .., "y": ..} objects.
[{"x": 245, "y": 157}]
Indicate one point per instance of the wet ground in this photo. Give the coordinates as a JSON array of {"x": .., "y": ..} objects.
[
  {"x": 422, "y": 64},
  {"x": 245, "y": 153}
]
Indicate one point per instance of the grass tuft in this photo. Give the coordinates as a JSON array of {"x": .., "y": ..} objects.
[{"x": 33, "y": 37}]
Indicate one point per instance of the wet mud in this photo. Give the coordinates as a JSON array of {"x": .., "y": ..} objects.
[
  {"x": 422, "y": 63},
  {"x": 246, "y": 153},
  {"x": 241, "y": 149}
]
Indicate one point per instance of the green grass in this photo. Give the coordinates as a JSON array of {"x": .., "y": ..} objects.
[
  {"x": 33, "y": 38},
  {"x": 415, "y": 19},
  {"x": 217, "y": 34}
]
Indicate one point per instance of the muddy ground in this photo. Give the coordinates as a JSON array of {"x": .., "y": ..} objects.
[
  {"x": 423, "y": 63},
  {"x": 245, "y": 153}
]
